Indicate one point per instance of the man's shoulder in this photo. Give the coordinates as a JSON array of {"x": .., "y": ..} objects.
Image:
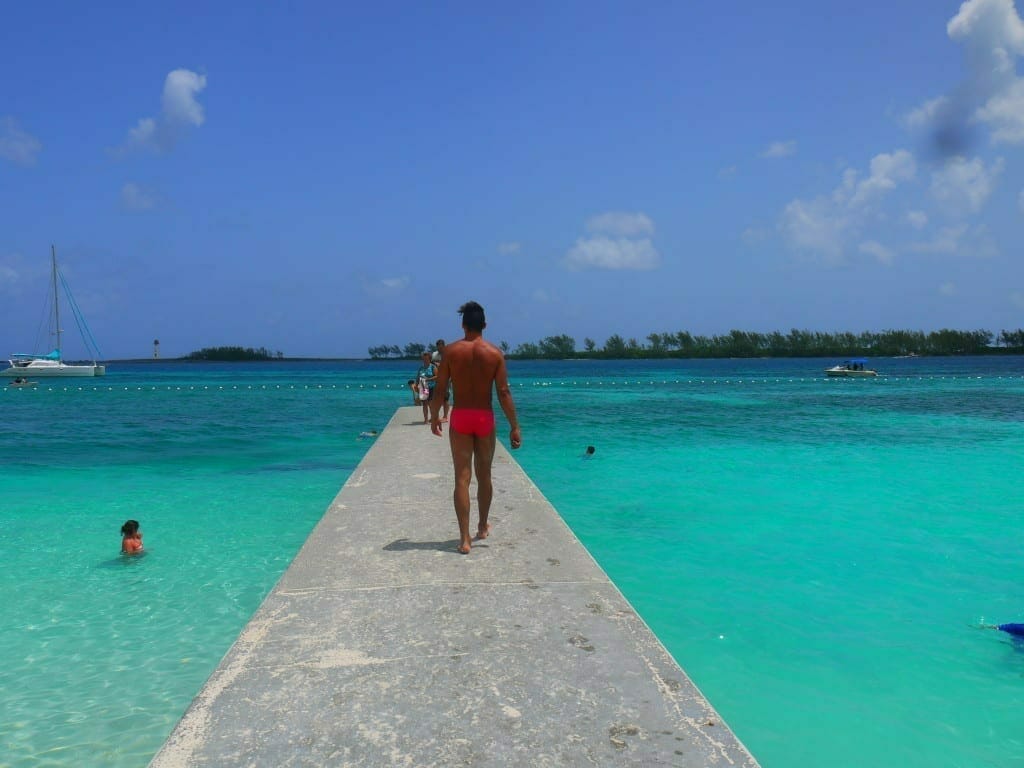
[{"x": 475, "y": 346}]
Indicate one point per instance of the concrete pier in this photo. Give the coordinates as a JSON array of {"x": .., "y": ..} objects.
[{"x": 382, "y": 646}]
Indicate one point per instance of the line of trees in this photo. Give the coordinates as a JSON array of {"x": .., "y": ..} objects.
[
  {"x": 394, "y": 352},
  {"x": 234, "y": 354},
  {"x": 796, "y": 343}
]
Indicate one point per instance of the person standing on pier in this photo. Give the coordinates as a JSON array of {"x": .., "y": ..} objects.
[
  {"x": 436, "y": 360},
  {"x": 426, "y": 380},
  {"x": 474, "y": 367}
]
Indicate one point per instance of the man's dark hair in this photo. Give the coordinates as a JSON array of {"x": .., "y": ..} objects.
[{"x": 472, "y": 316}]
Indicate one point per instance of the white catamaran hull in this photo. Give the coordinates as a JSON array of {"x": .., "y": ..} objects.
[{"x": 47, "y": 368}]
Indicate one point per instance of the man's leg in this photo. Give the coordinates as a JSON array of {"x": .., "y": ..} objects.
[
  {"x": 462, "y": 459},
  {"x": 483, "y": 456}
]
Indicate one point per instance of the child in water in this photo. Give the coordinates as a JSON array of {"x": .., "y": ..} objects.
[{"x": 131, "y": 538}]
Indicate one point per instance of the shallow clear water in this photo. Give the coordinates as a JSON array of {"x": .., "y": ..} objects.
[{"x": 815, "y": 553}]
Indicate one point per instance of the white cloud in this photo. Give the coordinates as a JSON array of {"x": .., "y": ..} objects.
[
  {"x": 947, "y": 240},
  {"x": 917, "y": 219},
  {"x": 880, "y": 252},
  {"x": 816, "y": 226},
  {"x": 142, "y": 134},
  {"x": 179, "y": 111},
  {"x": 179, "y": 98},
  {"x": 780, "y": 149},
  {"x": 15, "y": 275},
  {"x": 992, "y": 35},
  {"x": 16, "y": 145},
  {"x": 947, "y": 289},
  {"x": 617, "y": 240},
  {"x": 960, "y": 240},
  {"x": 621, "y": 224},
  {"x": 385, "y": 287},
  {"x": 602, "y": 252},
  {"x": 925, "y": 114},
  {"x": 507, "y": 249},
  {"x": 887, "y": 171},
  {"x": 728, "y": 172},
  {"x": 754, "y": 235},
  {"x": 8, "y": 277},
  {"x": 827, "y": 226},
  {"x": 991, "y": 30},
  {"x": 963, "y": 186},
  {"x": 1004, "y": 113},
  {"x": 135, "y": 198}
]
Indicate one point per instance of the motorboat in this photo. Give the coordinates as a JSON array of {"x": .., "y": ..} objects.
[
  {"x": 52, "y": 363},
  {"x": 852, "y": 368}
]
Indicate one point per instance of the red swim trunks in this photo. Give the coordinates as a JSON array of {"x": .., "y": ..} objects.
[{"x": 472, "y": 421}]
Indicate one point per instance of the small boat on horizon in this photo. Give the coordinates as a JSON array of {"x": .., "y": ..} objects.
[
  {"x": 52, "y": 364},
  {"x": 853, "y": 368}
]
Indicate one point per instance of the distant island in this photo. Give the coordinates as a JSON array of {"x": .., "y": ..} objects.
[
  {"x": 796, "y": 343},
  {"x": 233, "y": 354},
  {"x": 735, "y": 344}
]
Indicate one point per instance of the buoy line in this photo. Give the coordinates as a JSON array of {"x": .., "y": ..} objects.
[{"x": 628, "y": 383}]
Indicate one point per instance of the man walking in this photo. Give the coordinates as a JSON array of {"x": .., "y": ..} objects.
[{"x": 473, "y": 366}]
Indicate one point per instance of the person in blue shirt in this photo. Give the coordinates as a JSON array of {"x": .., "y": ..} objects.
[
  {"x": 1017, "y": 630},
  {"x": 427, "y": 375}
]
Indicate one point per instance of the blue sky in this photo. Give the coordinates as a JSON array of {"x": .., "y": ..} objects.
[{"x": 318, "y": 178}]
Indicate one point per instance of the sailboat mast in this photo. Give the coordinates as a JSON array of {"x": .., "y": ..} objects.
[{"x": 56, "y": 302}]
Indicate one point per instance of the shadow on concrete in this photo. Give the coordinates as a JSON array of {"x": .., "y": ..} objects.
[{"x": 407, "y": 545}]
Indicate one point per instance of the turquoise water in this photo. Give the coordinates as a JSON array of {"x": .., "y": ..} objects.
[{"x": 816, "y": 553}]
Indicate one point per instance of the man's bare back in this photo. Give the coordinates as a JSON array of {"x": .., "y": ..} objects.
[{"x": 473, "y": 367}]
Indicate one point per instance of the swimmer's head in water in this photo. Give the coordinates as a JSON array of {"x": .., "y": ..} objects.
[
  {"x": 130, "y": 528},
  {"x": 590, "y": 450}
]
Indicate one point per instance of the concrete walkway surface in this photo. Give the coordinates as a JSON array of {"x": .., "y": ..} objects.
[{"x": 382, "y": 646}]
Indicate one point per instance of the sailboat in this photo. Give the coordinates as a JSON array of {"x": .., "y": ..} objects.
[{"x": 52, "y": 364}]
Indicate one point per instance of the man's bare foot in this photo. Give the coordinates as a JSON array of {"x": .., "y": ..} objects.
[
  {"x": 483, "y": 533},
  {"x": 464, "y": 548}
]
